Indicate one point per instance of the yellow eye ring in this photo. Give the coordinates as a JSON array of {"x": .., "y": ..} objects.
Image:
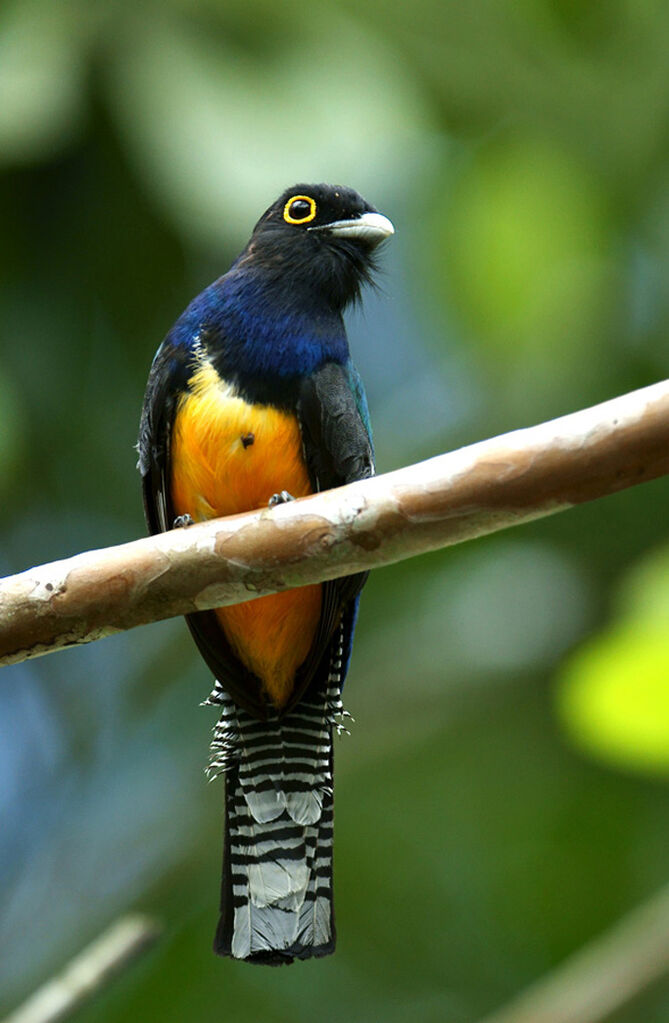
[{"x": 287, "y": 216}]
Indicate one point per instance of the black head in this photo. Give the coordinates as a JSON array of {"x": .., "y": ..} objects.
[{"x": 319, "y": 237}]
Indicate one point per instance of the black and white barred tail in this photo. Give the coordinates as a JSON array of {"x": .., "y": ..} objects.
[{"x": 276, "y": 893}]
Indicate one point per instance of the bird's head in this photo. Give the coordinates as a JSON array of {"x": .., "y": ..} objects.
[{"x": 321, "y": 239}]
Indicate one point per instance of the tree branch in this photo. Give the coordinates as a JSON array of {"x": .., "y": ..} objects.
[
  {"x": 480, "y": 489},
  {"x": 603, "y": 976},
  {"x": 89, "y": 971}
]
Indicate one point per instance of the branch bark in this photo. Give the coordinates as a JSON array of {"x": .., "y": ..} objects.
[
  {"x": 603, "y": 976},
  {"x": 89, "y": 971},
  {"x": 454, "y": 497}
]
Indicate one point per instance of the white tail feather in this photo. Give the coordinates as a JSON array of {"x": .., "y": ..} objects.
[{"x": 279, "y": 811}]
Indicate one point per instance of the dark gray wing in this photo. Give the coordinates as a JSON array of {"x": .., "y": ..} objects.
[
  {"x": 332, "y": 412},
  {"x": 335, "y": 427},
  {"x": 168, "y": 380}
]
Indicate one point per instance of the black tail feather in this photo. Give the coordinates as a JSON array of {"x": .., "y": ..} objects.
[{"x": 276, "y": 891}]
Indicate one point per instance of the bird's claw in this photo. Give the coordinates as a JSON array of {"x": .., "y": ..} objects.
[
  {"x": 182, "y": 521},
  {"x": 283, "y": 498}
]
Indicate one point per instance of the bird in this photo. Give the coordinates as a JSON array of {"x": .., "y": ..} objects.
[{"x": 253, "y": 400}]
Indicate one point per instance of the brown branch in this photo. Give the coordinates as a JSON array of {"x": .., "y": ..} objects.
[
  {"x": 480, "y": 489},
  {"x": 89, "y": 971},
  {"x": 606, "y": 974}
]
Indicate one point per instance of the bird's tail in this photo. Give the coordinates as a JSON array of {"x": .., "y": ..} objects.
[{"x": 276, "y": 898}]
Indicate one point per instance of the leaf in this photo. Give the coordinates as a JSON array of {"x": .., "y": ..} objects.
[
  {"x": 523, "y": 234},
  {"x": 644, "y": 595},
  {"x": 613, "y": 698}
]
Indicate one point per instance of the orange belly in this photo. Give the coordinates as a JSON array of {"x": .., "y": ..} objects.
[{"x": 228, "y": 456}]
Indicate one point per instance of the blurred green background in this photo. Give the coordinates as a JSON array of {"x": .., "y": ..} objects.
[{"x": 503, "y": 797}]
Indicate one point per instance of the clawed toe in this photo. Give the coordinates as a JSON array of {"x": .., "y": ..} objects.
[
  {"x": 181, "y": 521},
  {"x": 283, "y": 498}
]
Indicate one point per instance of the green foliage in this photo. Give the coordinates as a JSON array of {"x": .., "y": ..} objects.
[
  {"x": 41, "y": 77},
  {"x": 212, "y": 124},
  {"x": 524, "y": 231},
  {"x": 12, "y": 437},
  {"x": 613, "y": 694}
]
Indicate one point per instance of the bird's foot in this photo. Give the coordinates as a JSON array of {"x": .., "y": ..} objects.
[
  {"x": 182, "y": 521},
  {"x": 283, "y": 498}
]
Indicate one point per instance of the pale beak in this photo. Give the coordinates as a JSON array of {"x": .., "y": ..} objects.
[{"x": 370, "y": 227}]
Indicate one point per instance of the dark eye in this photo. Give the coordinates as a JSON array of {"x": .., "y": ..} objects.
[{"x": 299, "y": 210}]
